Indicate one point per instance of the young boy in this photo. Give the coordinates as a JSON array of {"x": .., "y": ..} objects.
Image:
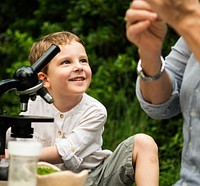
[{"x": 74, "y": 140}]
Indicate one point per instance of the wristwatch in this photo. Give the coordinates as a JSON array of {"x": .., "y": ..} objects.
[{"x": 142, "y": 75}]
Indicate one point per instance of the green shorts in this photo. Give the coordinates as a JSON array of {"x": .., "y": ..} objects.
[{"x": 117, "y": 169}]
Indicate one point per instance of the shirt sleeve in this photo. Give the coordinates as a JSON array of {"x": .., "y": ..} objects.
[{"x": 175, "y": 66}]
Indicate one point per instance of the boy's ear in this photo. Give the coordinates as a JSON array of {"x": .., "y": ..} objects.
[{"x": 44, "y": 77}]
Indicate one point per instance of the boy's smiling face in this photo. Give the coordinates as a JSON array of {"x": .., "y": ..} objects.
[{"x": 68, "y": 72}]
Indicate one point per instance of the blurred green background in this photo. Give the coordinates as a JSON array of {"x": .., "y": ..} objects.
[{"x": 113, "y": 59}]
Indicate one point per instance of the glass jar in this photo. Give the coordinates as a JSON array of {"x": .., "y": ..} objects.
[{"x": 24, "y": 156}]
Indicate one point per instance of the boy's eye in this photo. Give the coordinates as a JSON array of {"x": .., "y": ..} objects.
[
  {"x": 65, "y": 62},
  {"x": 83, "y": 61}
]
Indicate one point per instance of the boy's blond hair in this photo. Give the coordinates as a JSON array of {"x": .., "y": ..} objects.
[{"x": 57, "y": 38}]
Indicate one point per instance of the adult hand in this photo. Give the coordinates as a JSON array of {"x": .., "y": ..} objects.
[
  {"x": 184, "y": 17},
  {"x": 144, "y": 28},
  {"x": 175, "y": 12}
]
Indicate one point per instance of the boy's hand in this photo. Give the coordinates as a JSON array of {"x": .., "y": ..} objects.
[{"x": 5, "y": 155}]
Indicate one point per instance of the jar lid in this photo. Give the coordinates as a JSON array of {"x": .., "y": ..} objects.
[{"x": 24, "y": 148}]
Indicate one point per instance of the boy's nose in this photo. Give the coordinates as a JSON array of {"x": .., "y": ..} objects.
[{"x": 78, "y": 67}]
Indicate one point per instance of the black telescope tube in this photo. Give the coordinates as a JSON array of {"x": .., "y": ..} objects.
[{"x": 45, "y": 58}]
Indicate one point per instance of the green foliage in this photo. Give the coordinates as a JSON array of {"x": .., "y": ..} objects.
[
  {"x": 101, "y": 26},
  {"x": 15, "y": 47},
  {"x": 113, "y": 85}
]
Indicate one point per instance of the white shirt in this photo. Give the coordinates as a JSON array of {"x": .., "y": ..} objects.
[{"x": 76, "y": 133}]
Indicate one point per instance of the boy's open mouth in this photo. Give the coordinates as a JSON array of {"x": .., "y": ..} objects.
[{"x": 78, "y": 79}]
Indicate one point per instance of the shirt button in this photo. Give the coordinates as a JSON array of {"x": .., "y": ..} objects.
[
  {"x": 193, "y": 114},
  {"x": 72, "y": 149},
  {"x": 61, "y": 116},
  {"x": 59, "y": 133}
]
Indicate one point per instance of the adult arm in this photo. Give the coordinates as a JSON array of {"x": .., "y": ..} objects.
[
  {"x": 147, "y": 31},
  {"x": 176, "y": 63}
]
